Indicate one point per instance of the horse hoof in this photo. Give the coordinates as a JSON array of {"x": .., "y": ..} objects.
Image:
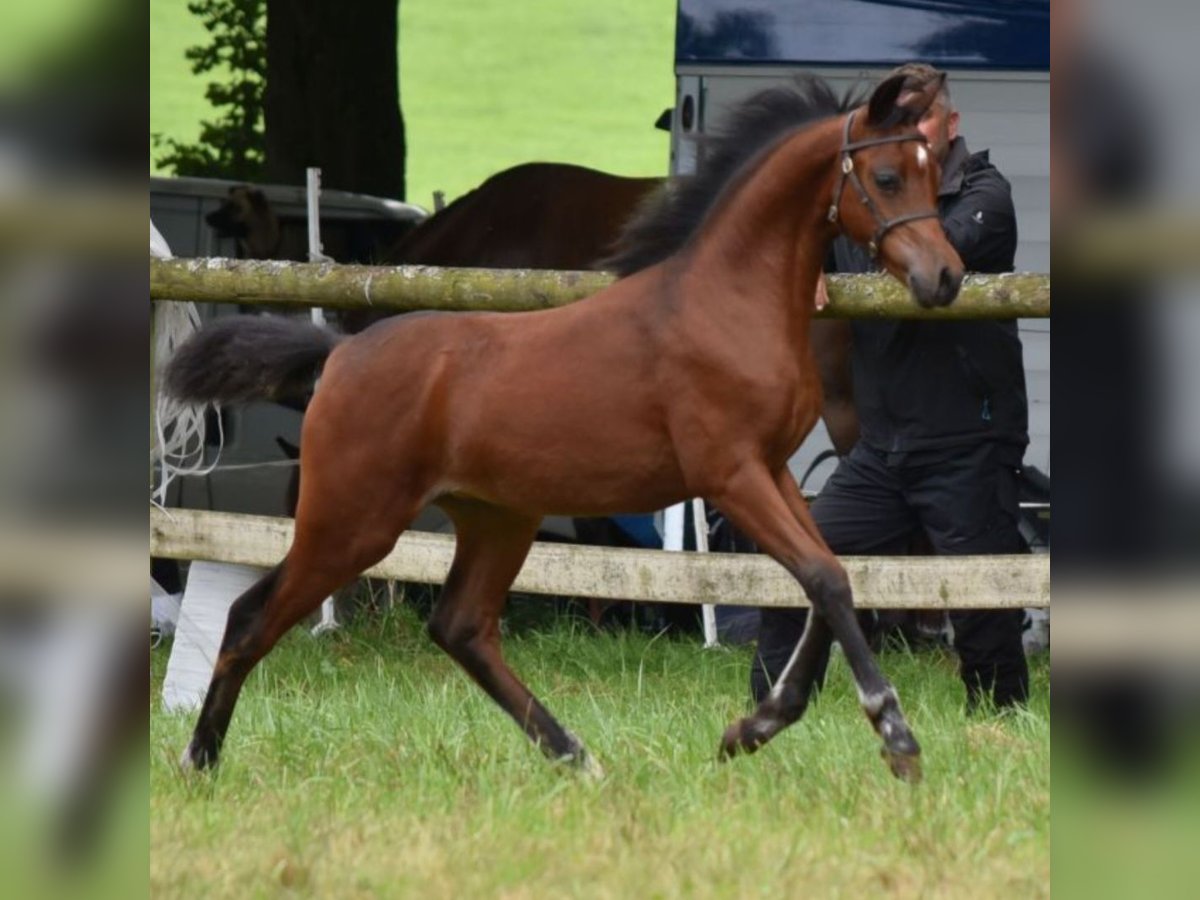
[
  {"x": 730, "y": 742},
  {"x": 905, "y": 766},
  {"x": 196, "y": 760},
  {"x": 736, "y": 739}
]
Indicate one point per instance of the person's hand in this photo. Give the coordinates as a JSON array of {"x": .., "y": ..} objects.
[{"x": 821, "y": 299}]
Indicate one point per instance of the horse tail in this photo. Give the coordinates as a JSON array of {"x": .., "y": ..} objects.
[{"x": 242, "y": 358}]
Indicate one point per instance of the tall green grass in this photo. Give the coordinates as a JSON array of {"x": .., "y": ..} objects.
[
  {"x": 366, "y": 764},
  {"x": 489, "y": 84}
]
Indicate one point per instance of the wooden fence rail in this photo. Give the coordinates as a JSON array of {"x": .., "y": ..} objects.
[
  {"x": 879, "y": 582},
  {"x": 404, "y": 288}
]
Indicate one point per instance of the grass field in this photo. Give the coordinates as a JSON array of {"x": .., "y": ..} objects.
[
  {"x": 488, "y": 84},
  {"x": 366, "y": 764}
]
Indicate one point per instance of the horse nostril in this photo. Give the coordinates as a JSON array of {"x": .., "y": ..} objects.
[{"x": 948, "y": 284}]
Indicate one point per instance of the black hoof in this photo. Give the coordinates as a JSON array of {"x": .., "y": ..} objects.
[{"x": 197, "y": 758}]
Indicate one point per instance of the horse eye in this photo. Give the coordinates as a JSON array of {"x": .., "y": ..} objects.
[{"x": 887, "y": 181}]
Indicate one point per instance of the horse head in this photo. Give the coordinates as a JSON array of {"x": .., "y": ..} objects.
[{"x": 892, "y": 207}]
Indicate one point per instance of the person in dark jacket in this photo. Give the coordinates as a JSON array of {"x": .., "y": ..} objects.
[{"x": 942, "y": 427}]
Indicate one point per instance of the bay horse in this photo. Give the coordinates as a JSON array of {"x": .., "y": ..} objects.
[{"x": 691, "y": 375}]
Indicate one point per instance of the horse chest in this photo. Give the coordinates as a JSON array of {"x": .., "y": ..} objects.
[{"x": 787, "y": 411}]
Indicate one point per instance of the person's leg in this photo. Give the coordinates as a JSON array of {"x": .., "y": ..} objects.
[
  {"x": 967, "y": 503},
  {"x": 992, "y": 658},
  {"x": 860, "y": 510}
]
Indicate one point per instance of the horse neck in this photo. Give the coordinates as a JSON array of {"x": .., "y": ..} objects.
[{"x": 765, "y": 242}]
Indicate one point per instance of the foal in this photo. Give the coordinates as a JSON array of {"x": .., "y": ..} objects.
[{"x": 691, "y": 376}]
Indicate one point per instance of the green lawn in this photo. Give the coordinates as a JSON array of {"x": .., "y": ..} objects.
[
  {"x": 489, "y": 84},
  {"x": 177, "y": 103},
  {"x": 366, "y": 764}
]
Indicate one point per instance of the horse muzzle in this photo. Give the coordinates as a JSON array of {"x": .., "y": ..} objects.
[{"x": 937, "y": 289}]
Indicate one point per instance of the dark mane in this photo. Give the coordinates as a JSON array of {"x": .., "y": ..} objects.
[{"x": 669, "y": 217}]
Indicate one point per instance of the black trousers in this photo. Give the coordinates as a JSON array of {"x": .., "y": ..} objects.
[{"x": 965, "y": 500}]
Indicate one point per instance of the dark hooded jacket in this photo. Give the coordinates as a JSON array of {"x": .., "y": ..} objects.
[{"x": 921, "y": 386}]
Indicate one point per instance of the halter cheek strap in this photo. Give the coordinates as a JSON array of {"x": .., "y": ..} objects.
[{"x": 883, "y": 226}]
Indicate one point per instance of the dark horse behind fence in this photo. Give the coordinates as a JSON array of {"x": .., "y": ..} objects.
[{"x": 691, "y": 375}]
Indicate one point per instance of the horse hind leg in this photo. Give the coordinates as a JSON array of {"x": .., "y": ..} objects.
[
  {"x": 319, "y": 561},
  {"x": 240, "y": 650},
  {"x": 491, "y": 547}
]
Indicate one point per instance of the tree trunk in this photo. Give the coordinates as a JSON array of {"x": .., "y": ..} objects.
[{"x": 332, "y": 94}]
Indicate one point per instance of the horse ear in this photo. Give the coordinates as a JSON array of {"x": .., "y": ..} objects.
[
  {"x": 881, "y": 108},
  {"x": 891, "y": 104},
  {"x": 912, "y": 104}
]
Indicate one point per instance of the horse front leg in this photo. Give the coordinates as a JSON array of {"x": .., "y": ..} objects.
[
  {"x": 761, "y": 506},
  {"x": 789, "y": 696}
]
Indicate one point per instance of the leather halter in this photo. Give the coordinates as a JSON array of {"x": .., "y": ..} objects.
[{"x": 847, "y": 172}]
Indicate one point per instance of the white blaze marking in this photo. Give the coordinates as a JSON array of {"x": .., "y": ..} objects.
[{"x": 922, "y": 157}]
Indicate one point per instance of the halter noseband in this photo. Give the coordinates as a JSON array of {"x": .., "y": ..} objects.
[{"x": 847, "y": 171}]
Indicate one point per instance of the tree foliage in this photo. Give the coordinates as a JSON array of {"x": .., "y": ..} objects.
[{"x": 233, "y": 145}]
